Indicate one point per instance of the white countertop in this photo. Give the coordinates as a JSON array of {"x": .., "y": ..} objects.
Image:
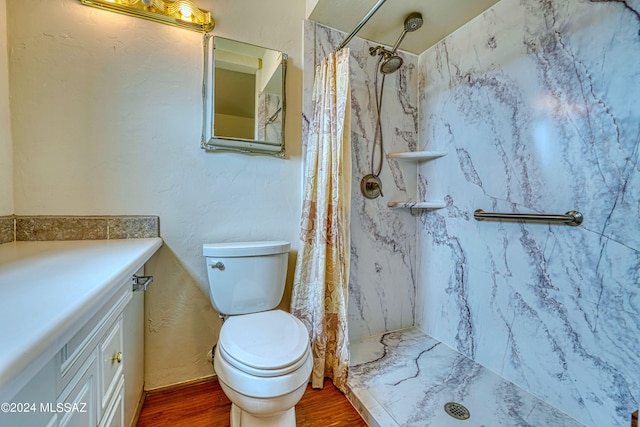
[{"x": 48, "y": 290}]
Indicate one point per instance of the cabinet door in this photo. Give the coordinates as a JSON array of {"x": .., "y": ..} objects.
[
  {"x": 111, "y": 361},
  {"x": 34, "y": 405},
  {"x": 78, "y": 403},
  {"x": 114, "y": 416}
]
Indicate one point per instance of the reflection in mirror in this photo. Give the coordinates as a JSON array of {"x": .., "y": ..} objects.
[{"x": 244, "y": 97}]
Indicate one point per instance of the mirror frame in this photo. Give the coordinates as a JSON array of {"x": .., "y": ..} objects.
[{"x": 209, "y": 141}]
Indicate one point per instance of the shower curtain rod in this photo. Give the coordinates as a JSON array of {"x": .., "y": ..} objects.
[{"x": 366, "y": 18}]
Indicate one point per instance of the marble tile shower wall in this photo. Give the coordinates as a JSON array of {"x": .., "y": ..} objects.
[
  {"x": 536, "y": 103},
  {"x": 382, "y": 279}
]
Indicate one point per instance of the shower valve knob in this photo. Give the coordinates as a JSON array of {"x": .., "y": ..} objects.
[{"x": 371, "y": 187}]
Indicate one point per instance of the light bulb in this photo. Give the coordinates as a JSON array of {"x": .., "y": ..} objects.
[{"x": 186, "y": 11}]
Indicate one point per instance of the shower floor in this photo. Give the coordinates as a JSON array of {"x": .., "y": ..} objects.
[{"x": 404, "y": 378}]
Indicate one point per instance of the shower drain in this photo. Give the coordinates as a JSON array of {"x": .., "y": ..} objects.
[{"x": 457, "y": 411}]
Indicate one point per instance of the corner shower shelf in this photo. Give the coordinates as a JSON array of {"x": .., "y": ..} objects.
[
  {"x": 417, "y": 156},
  {"x": 433, "y": 204}
]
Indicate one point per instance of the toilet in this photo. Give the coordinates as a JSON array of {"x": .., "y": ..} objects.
[{"x": 263, "y": 357}]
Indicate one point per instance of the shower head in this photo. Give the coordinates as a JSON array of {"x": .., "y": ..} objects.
[
  {"x": 412, "y": 22},
  {"x": 390, "y": 64}
]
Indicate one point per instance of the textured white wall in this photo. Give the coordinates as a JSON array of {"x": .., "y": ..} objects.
[
  {"x": 107, "y": 120},
  {"x": 6, "y": 150}
]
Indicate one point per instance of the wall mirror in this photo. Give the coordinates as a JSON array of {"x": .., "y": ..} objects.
[{"x": 244, "y": 97}]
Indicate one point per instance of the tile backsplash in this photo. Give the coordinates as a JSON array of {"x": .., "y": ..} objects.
[
  {"x": 7, "y": 229},
  {"x": 41, "y": 228}
]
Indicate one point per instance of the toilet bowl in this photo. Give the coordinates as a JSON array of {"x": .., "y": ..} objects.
[
  {"x": 263, "y": 357},
  {"x": 263, "y": 361}
]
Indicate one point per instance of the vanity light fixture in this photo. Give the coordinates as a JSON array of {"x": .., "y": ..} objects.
[{"x": 179, "y": 13}]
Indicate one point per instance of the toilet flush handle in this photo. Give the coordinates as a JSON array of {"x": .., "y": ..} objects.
[{"x": 219, "y": 265}]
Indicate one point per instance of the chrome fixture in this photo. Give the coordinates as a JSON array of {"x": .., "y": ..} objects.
[
  {"x": 364, "y": 20},
  {"x": 390, "y": 62},
  {"x": 371, "y": 186},
  {"x": 218, "y": 265},
  {"x": 140, "y": 283},
  {"x": 572, "y": 218}
]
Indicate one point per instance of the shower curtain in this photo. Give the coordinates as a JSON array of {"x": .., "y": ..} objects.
[{"x": 321, "y": 281}]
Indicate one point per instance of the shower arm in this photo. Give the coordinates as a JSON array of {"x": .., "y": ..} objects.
[
  {"x": 364, "y": 20},
  {"x": 395, "y": 48}
]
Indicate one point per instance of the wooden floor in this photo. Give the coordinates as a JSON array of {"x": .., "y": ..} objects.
[{"x": 205, "y": 404}]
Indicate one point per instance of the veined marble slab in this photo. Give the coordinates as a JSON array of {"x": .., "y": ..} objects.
[
  {"x": 536, "y": 103},
  {"x": 404, "y": 378}
]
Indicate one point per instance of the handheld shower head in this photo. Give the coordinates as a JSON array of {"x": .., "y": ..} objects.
[{"x": 412, "y": 22}]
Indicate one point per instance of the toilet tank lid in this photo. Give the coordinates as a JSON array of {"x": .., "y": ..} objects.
[{"x": 238, "y": 249}]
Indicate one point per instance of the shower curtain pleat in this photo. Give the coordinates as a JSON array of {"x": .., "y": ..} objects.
[{"x": 321, "y": 281}]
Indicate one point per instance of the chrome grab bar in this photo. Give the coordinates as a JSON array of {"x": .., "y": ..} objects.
[{"x": 572, "y": 218}]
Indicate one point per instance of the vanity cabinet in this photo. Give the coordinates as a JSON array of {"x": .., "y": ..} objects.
[
  {"x": 84, "y": 384},
  {"x": 71, "y": 348}
]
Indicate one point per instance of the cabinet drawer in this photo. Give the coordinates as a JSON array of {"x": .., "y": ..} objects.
[{"x": 111, "y": 361}]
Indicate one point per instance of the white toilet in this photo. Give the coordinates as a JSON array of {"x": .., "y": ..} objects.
[{"x": 263, "y": 358}]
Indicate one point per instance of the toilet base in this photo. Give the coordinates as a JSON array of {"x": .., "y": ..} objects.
[{"x": 240, "y": 418}]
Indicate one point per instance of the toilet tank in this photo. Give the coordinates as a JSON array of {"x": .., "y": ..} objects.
[{"x": 246, "y": 277}]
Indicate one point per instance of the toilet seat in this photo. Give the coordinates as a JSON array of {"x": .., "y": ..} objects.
[
  {"x": 262, "y": 372},
  {"x": 257, "y": 386},
  {"x": 265, "y": 344}
]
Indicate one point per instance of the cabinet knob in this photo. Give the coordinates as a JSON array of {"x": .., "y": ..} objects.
[{"x": 117, "y": 357}]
